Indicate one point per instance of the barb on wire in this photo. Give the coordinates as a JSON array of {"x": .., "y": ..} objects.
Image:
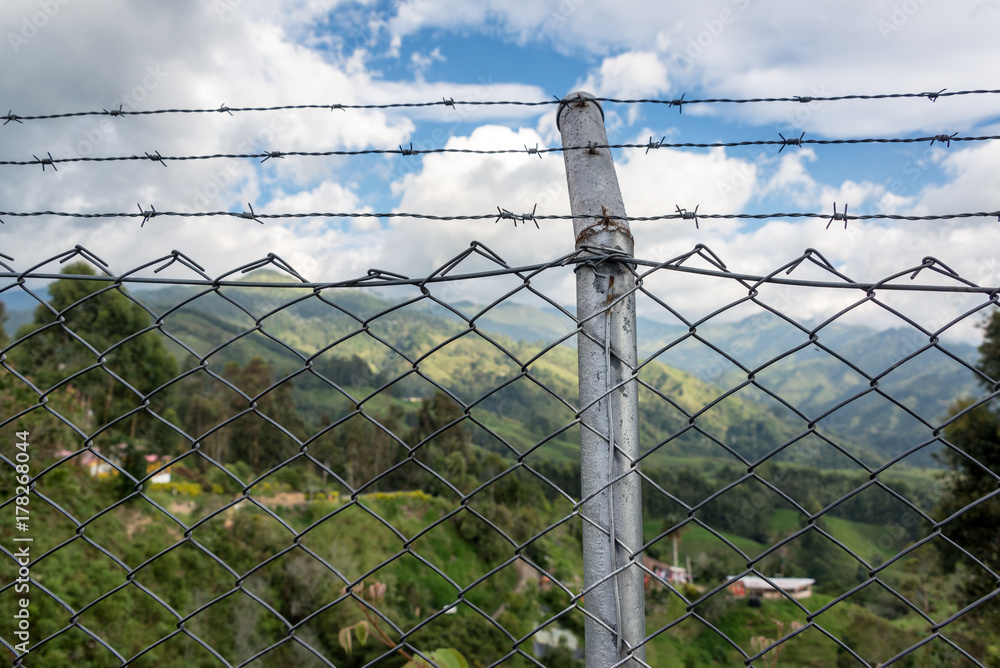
[
  {"x": 533, "y": 151},
  {"x": 156, "y": 157},
  {"x": 115, "y": 112},
  {"x": 944, "y": 139},
  {"x": 679, "y": 103},
  {"x": 147, "y": 215},
  {"x": 531, "y": 216},
  {"x": 406, "y": 151},
  {"x": 225, "y": 109},
  {"x": 45, "y": 161},
  {"x": 838, "y": 216},
  {"x": 934, "y": 96},
  {"x": 504, "y": 214},
  {"x": 688, "y": 215},
  {"x": 11, "y": 117},
  {"x": 250, "y": 215},
  {"x": 791, "y": 141},
  {"x": 449, "y": 102},
  {"x": 654, "y": 145},
  {"x": 272, "y": 154}
]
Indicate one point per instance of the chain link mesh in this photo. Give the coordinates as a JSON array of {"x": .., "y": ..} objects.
[{"x": 257, "y": 470}]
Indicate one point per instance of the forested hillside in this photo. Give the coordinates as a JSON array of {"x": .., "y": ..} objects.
[{"x": 329, "y": 467}]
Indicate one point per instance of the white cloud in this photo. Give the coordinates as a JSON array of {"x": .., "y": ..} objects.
[
  {"x": 629, "y": 75},
  {"x": 792, "y": 180},
  {"x": 187, "y": 54},
  {"x": 421, "y": 62},
  {"x": 102, "y": 54},
  {"x": 476, "y": 184},
  {"x": 741, "y": 48},
  {"x": 974, "y": 182}
]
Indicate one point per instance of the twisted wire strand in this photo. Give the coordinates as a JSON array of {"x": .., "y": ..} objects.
[
  {"x": 10, "y": 117},
  {"x": 268, "y": 155}
]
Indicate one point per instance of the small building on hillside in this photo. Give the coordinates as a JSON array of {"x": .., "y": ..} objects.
[
  {"x": 755, "y": 587},
  {"x": 100, "y": 468},
  {"x": 675, "y": 575}
]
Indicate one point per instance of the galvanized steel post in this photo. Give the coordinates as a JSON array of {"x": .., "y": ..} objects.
[{"x": 609, "y": 434}]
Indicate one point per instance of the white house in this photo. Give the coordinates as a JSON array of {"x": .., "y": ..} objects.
[{"x": 753, "y": 586}]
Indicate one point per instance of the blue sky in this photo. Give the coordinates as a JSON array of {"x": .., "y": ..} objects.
[{"x": 74, "y": 55}]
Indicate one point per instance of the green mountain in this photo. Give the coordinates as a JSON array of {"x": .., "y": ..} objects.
[
  {"x": 910, "y": 399},
  {"x": 360, "y": 340},
  {"x": 518, "y": 391}
]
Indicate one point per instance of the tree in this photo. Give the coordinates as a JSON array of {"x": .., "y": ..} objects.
[
  {"x": 253, "y": 439},
  {"x": 449, "y": 453},
  {"x": 972, "y": 476},
  {"x": 88, "y": 351},
  {"x": 4, "y": 339}
]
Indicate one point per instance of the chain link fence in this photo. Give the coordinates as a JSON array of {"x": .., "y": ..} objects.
[{"x": 257, "y": 470}]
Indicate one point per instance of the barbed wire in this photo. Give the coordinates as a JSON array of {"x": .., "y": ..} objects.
[
  {"x": 504, "y": 214},
  {"x": 264, "y": 156},
  {"x": 11, "y": 117}
]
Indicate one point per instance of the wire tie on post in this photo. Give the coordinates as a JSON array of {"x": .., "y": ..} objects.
[
  {"x": 448, "y": 102},
  {"x": 272, "y": 154},
  {"x": 944, "y": 139},
  {"x": 838, "y": 216},
  {"x": 156, "y": 158},
  {"x": 934, "y": 96},
  {"x": 406, "y": 151},
  {"x": 679, "y": 102},
  {"x": 147, "y": 215},
  {"x": 251, "y": 215},
  {"x": 11, "y": 117},
  {"x": 533, "y": 151},
  {"x": 689, "y": 215},
  {"x": 45, "y": 161},
  {"x": 796, "y": 141},
  {"x": 591, "y": 148},
  {"x": 115, "y": 112},
  {"x": 651, "y": 144}
]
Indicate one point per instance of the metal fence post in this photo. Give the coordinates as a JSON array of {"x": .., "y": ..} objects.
[{"x": 609, "y": 434}]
